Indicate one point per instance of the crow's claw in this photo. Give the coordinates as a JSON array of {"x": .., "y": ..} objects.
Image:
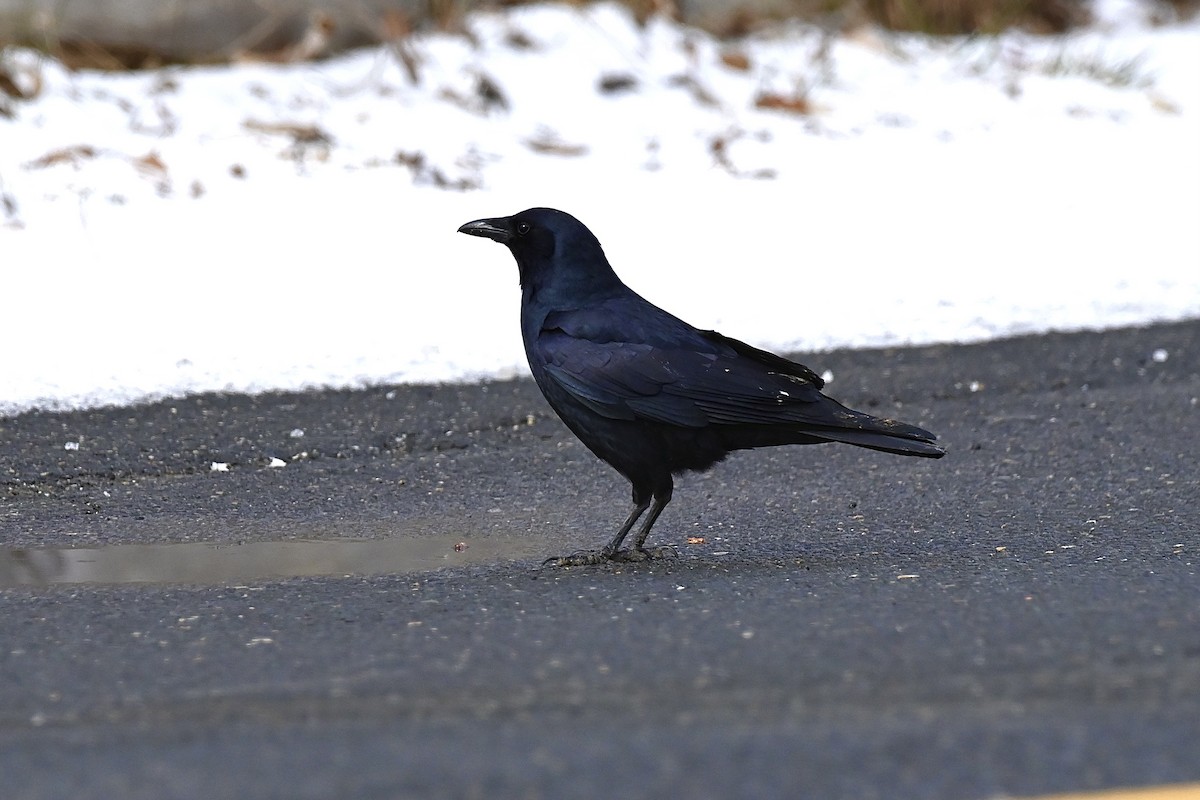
[{"x": 586, "y": 558}]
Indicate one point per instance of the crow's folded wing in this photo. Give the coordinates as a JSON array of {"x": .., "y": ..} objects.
[
  {"x": 627, "y": 359},
  {"x": 717, "y": 384}
]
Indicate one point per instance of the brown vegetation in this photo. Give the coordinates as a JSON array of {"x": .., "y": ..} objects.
[
  {"x": 978, "y": 16},
  {"x": 303, "y": 36}
]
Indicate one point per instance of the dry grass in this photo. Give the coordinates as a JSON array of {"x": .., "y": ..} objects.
[
  {"x": 978, "y": 16},
  {"x": 321, "y": 36},
  {"x": 1184, "y": 9}
]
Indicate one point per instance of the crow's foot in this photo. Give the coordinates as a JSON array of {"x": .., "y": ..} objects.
[
  {"x": 643, "y": 553},
  {"x": 586, "y": 558}
]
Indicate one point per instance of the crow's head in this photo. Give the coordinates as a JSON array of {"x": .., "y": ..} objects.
[
  {"x": 533, "y": 232},
  {"x": 552, "y": 249}
]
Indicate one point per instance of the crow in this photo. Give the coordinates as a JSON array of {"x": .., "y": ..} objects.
[{"x": 648, "y": 393}]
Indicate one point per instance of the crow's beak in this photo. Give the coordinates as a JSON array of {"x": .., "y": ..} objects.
[{"x": 495, "y": 229}]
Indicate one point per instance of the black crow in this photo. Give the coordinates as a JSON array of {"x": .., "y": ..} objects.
[{"x": 647, "y": 392}]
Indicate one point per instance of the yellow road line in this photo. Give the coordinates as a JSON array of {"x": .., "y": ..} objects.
[{"x": 1181, "y": 791}]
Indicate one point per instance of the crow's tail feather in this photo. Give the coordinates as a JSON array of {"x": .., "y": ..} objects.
[{"x": 914, "y": 442}]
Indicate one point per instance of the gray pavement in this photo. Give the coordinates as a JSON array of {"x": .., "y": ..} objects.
[{"x": 1022, "y": 616}]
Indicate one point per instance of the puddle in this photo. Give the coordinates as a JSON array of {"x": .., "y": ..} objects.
[{"x": 213, "y": 564}]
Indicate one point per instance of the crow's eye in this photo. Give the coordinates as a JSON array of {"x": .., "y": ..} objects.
[{"x": 522, "y": 228}]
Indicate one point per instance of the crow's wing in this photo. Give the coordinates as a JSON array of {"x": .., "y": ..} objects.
[
  {"x": 658, "y": 368},
  {"x": 630, "y": 319}
]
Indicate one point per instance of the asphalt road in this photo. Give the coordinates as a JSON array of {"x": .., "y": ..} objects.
[{"x": 1020, "y": 617}]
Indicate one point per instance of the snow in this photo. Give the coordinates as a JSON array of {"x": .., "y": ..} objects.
[{"x": 259, "y": 227}]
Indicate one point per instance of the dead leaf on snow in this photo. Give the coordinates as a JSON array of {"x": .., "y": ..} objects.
[
  {"x": 736, "y": 59},
  {"x": 301, "y": 134},
  {"x": 698, "y": 91},
  {"x": 548, "y": 143},
  {"x": 617, "y": 82},
  {"x": 151, "y": 163},
  {"x": 795, "y": 104},
  {"x": 64, "y": 155}
]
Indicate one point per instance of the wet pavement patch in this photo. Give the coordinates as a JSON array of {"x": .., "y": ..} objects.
[{"x": 214, "y": 564}]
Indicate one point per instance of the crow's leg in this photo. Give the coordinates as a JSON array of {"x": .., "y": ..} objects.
[
  {"x": 656, "y": 501},
  {"x": 639, "y": 508},
  {"x": 609, "y": 551},
  {"x": 639, "y": 552}
]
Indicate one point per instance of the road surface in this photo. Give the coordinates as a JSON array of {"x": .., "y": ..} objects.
[{"x": 182, "y": 619}]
